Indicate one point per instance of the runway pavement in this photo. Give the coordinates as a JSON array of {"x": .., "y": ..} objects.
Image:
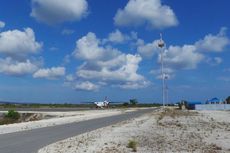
[
  {"x": 48, "y": 109},
  {"x": 31, "y": 141}
]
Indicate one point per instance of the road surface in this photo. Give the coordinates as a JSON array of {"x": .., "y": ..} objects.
[
  {"x": 48, "y": 109},
  {"x": 31, "y": 141}
]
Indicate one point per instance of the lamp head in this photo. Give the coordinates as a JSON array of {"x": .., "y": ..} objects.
[{"x": 161, "y": 43}]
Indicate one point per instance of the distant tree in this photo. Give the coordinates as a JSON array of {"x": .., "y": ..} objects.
[
  {"x": 126, "y": 104},
  {"x": 133, "y": 101},
  {"x": 228, "y": 100}
]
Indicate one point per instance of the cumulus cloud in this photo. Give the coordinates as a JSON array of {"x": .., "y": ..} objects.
[
  {"x": 11, "y": 67},
  {"x": 189, "y": 56},
  {"x": 2, "y": 24},
  {"x": 168, "y": 73},
  {"x": 106, "y": 64},
  {"x": 103, "y": 63},
  {"x": 86, "y": 86},
  {"x": 58, "y": 11},
  {"x": 146, "y": 12},
  {"x": 214, "y": 43},
  {"x": 134, "y": 85},
  {"x": 15, "y": 47},
  {"x": 125, "y": 71},
  {"x": 149, "y": 49},
  {"x": 19, "y": 43},
  {"x": 69, "y": 78},
  {"x": 118, "y": 37},
  {"x": 89, "y": 48},
  {"x": 50, "y": 73},
  {"x": 184, "y": 57}
]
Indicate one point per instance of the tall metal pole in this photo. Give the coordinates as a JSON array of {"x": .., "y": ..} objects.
[
  {"x": 161, "y": 44},
  {"x": 166, "y": 91}
]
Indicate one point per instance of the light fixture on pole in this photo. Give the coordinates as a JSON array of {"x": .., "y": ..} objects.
[{"x": 161, "y": 45}]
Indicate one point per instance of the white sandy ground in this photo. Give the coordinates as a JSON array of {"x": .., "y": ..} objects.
[
  {"x": 202, "y": 132},
  {"x": 60, "y": 118}
]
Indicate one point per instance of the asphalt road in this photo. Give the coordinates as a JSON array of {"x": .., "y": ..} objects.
[
  {"x": 48, "y": 109},
  {"x": 31, "y": 141}
]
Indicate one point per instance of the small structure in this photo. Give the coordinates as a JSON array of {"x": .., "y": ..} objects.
[
  {"x": 188, "y": 104},
  {"x": 213, "y": 104},
  {"x": 210, "y": 104},
  {"x": 192, "y": 104},
  {"x": 214, "y": 101}
]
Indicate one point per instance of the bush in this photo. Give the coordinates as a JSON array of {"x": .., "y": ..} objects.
[
  {"x": 125, "y": 104},
  {"x": 133, "y": 145},
  {"x": 133, "y": 101},
  {"x": 12, "y": 115}
]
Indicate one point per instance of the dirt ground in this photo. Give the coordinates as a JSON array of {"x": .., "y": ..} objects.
[{"x": 164, "y": 131}]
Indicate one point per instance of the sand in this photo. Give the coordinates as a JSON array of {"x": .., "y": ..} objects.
[{"x": 170, "y": 131}]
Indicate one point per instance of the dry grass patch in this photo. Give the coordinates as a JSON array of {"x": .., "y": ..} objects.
[
  {"x": 15, "y": 117},
  {"x": 174, "y": 113}
]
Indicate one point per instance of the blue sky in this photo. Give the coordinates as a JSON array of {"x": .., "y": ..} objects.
[{"x": 83, "y": 50}]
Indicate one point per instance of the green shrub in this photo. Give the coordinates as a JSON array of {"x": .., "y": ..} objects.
[
  {"x": 133, "y": 101},
  {"x": 133, "y": 145},
  {"x": 125, "y": 104},
  {"x": 12, "y": 114}
]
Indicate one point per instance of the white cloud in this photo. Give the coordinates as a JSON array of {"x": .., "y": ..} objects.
[
  {"x": 214, "y": 43},
  {"x": 19, "y": 43},
  {"x": 135, "y": 85},
  {"x": 2, "y": 24},
  {"x": 58, "y": 11},
  {"x": 146, "y": 12},
  {"x": 106, "y": 64},
  {"x": 50, "y": 73},
  {"x": 70, "y": 78},
  {"x": 88, "y": 48},
  {"x": 184, "y": 57},
  {"x": 125, "y": 71},
  {"x": 148, "y": 50},
  {"x": 187, "y": 56},
  {"x": 11, "y": 67},
  {"x": 167, "y": 73},
  {"x": 118, "y": 37},
  {"x": 15, "y": 47},
  {"x": 87, "y": 86}
]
